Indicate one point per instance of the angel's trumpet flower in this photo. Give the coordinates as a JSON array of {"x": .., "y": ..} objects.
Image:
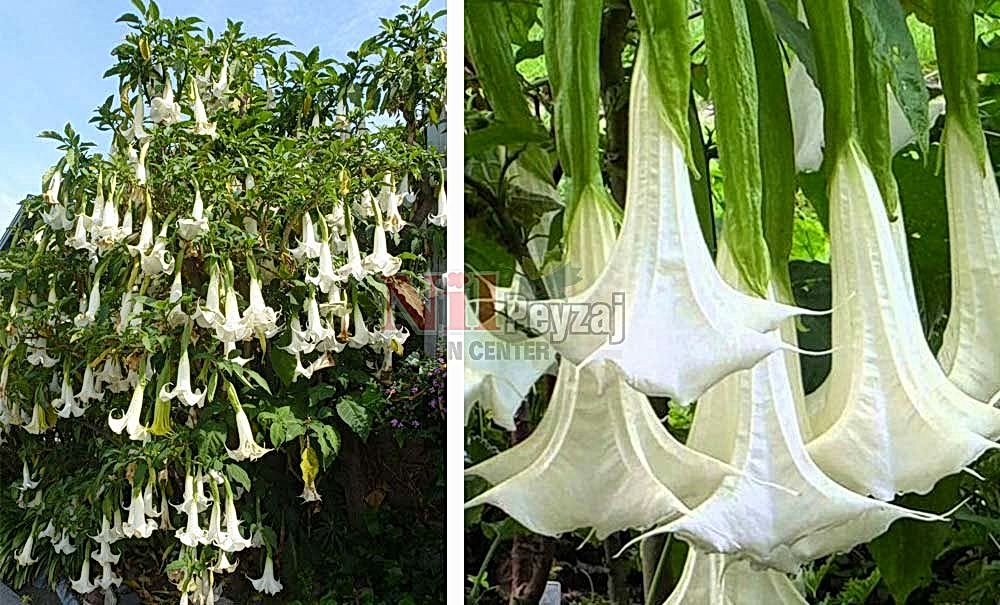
[
  {"x": 316, "y": 332},
  {"x": 66, "y": 405},
  {"x": 248, "y": 448},
  {"x": 258, "y": 316},
  {"x": 310, "y": 469},
  {"x": 309, "y": 246},
  {"x": 105, "y": 556},
  {"x": 89, "y": 391},
  {"x": 51, "y": 195},
  {"x": 183, "y": 391},
  {"x": 201, "y": 124},
  {"x": 234, "y": 328},
  {"x": 106, "y": 535},
  {"x": 233, "y": 540},
  {"x": 223, "y": 565},
  {"x": 354, "y": 267},
  {"x": 210, "y": 315},
  {"x": 197, "y": 225},
  {"x": 191, "y": 534},
  {"x": 83, "y": 585},
  {"x": 131, "y": 420},
  {"x": 969, "y": 353},
  {"x": 660, "y": 311},
  {"x": 711, "y": 579},
  {"x": 136, "y": 131},
  {"x": 108, "y": 578},
  {"x": 27, "y": 483},
  {"x": 326, "y": 276},
  {"x": 380, "y": 261},
  {"x": 158, "y": 260},
  {"x": 887, "y": 399},
  {"x": 55, "y": 217},
  {"x": 38, "y": 354},
  {"x": 394, "y": 222},
  {"x": 140, "y": 165},
  {"x": 88, "y": 317},
  {"x": 24, "y": 557},
  {"x": 441, "y": 217},
  {"x": 267, "y": 583},
  {"x": 137, "y": 526},
  {"x": 63, "y": 546},
  {"x": 750, "y": 420},
  {"x": 390, "y": 338},
  {"x": 191, "y": 496},
  {"x": 599, "y": 458},
  {"x": 163, "y": 109},
  {"x": 362, "y": 337},
  {"x": 79, "y": 239}
]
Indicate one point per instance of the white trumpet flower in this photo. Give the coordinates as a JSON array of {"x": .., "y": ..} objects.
[
  {"x": 267, "y": 583},
  {"x": 158, "y": 260},
  {"x": 233, "y": 541},
  {"x": 51, "y": 195},
  {"x": 191, "y": 534},
  {"x": 24, "y": 557},
  {"x": 362, "y": 337},
  {"x": 354, "y": 267},
  {"x": 191, "y": 497},
  {"x": 309, "y": 246},
  {"x": 108, "y": 578},
  {"x": 79, "y": 239},
  {"x": 163, "y": 109},
  {"x": 235, "y": 327},
  {"x": 63, "y": 546},
  {"x": 221, "y": 87},
  {"x": 197, "y": 225},
  {"x": 107, "y": 535},
  {"x": 66, "y": 405},
  {"x": 55, "y": 217},
  {"x": 887, "y": 399},
  {"x": 136, "y": 130},
  {"x": 660, "y": 311},
  {"x": 316, "y": 332},
  {"x": 38, "y": 353},
  {"x": 140, "y": 165},
  {"x": 258, "y": 316},
  {"x": 176, "y": 316},
  {"x": 441, "y": 217},
  {"x": 213, "y": 534},
  {"x": 183, "y": 391},
  {"x": 711, "y": 579},
  {"x": 88, "y": 317},
  {"x": 600, "y": 458},
  {"x": 223, "y": 565},
  {"x": 750, "y": 420},
  {"x": 49, "y": 532},
  {"x": 394, "y": 222},
  {"x": 407, "y": 195},
  {"x": 137, "y": 526},
  {"x": 105, "y": 556},
  {"x": 89, "y": 391},
  {"x": 83, "y": 585},
  {"x": 969, "y": 348},
  {"x": 27, "y": 483},
  {"x": 201, "y": 124},
  {"x": 300, "y": 342},
  {"x": 248, "y": 448},
  {"x": 326, "y": 277},
  {"x": 111, "y": 375},
  {"x": 131, "y": 420},
  {"x": 210, "y": 315},
  {"x": 380, "y": 261},
  {"x": 145, "y": 243}
]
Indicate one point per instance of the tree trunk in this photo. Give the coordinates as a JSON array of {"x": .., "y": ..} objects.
[{"x": 614, "y": 95}]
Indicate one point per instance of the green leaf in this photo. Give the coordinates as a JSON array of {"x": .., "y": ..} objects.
[
  {"x": 733, "y": 80},
  {"x": 893, "y": 47},
  {"x": 499, "y": 134},
  {"x": 795, "y": 34},
  {"x": 955, "y": 43},
  {"x": 238, "y": 475},
  {"x": 328, "y": 439},
  {"x": 128, "y": 18},
  {"x": 355, "y": 416},
  {"x": 283, "y": 364},
  {"x": 904, "y": 554}
]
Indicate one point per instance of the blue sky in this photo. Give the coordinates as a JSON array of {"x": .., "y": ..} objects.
[{"x": 54, "y": 52}]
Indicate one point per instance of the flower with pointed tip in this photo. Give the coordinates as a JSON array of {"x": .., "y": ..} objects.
[
  {"x": 201, "y": 124},
  {"x": 191, "y": 496},
  {"x": 163, "y": 109},
  {"x": 105, "y": 556},
  {"x": 82, "y": 320},
  {"x": 222, "y": 564},
  {"x": 221, "y": 87},
  {"x": 26, "y": 481},
  {"x": 79, "y": 239},
  {"x": 183, "y": 391},
  {"x": 140, "y": 166},
  {"x": 137, "y": 526},
  {"x": 38, "y": 353},
  {"x": 49, "y": 532},
  {"x": 380, "y": 261},
  {"x": 131, "y": 420},
  {"x": 441, "y": 217},
  {"x": 235, "y": 327},
  {"x": 673, "y": 326},
  {"x": 267, "y": 583},
  {"x": 89, "y": 390},
  {"x": 191, "y": 534},
  {"x": 25, "y": 558},
  {"x": 362, "y": 336},
  {"x": 354, "y": 267},
  {"x": 51, "y": 194},
  {"x": 407, "y": 195},
  {"x": 39, "y": 422},
  {"x": 197, "y": 225},
  {"x": 210, "y": 315},
  {"x": 390, "y": 338},
  {"x": 158, "y": 260},
  {"x": 310, "y": 470},
  {"x": 63, "y": 546},
  {"x": 83, "y": 585},
  {"x": 145, "y": 243},
  {"x": 309, "y": 246},
  {"x": 106, "y": 535},
  {"x": 136, "y": 131},
  {"x": 55, "y": 217},
  {"x": 108, "y": 578},
  {"x": 394, "y": 222},
  {"x": 259, "y": 318},
  {"x": 66, "y": 405},
  {"x": 233, "y": 540},
  {"x": 248, "y": 448},
  {"x": 326, "y": 277},
  {"x": 111, "y": 375},
  {"x": 888, "y": 400},
  {"x": 315, "y": 332},
  {"x": 300, "y": 342}
]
